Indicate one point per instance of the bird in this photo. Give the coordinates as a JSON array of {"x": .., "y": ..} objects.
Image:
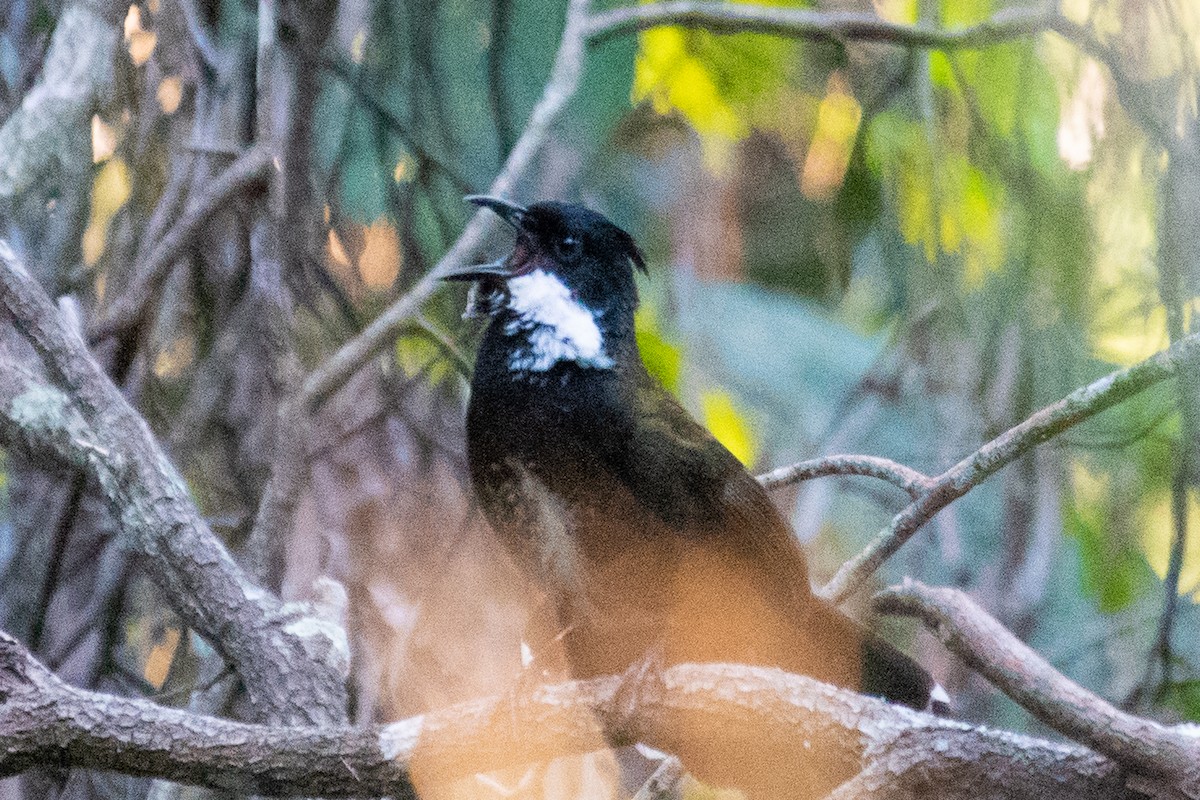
[{"x": 646, "y": 535}]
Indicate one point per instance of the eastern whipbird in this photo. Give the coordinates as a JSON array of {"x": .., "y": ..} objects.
[{"x": 646, "y": 533}]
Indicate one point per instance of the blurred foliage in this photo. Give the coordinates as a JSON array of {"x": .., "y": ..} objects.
[
  {"x": 1007, "y": 202},
  {"x": 854, "y": 248}
]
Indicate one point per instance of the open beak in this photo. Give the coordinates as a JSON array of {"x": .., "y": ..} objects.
[
  {"x": 511, "y": 213},
  {"x": 473, "y": 272}
]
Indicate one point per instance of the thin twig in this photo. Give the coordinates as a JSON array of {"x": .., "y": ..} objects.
[
  {"x": 201, "y": 38},
  {"x": 248, "y": 170},
  {"x": 1015, "y": 23},
  {"x": 906, "y": 478},
  {"x": 341, "y": 69},
  {"x": 563, "y": 82},
  {"x": 498, "y": 98},
  {"x": 1020, "y": 672},
  {"x": 1081, "y": 404}
]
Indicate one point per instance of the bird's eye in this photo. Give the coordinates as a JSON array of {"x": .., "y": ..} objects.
[{"x": 569, "y": 246}]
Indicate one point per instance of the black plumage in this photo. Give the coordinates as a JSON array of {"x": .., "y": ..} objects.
[{"x": 646, "y": 533}]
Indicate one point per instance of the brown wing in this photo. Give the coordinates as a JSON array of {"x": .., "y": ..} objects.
[{"x": 678, "y": 469}]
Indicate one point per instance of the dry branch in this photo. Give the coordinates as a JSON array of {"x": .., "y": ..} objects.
[
  {"x": 1079, "y": 405},
  {"x": 43, "y": 720},
  {"x": 801, "y": 23},
  {"x": 906, "y": 478},
  {"x": 291, "y": 667},
  {"x": 51, "y": 128},
  {"x": 1155, "y": 751}
]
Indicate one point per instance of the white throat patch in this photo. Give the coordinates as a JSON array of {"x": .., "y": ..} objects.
[{"x": 558, "y": 327}]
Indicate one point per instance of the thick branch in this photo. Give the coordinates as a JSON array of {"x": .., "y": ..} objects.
[
  {"x": 906, "y": 478},
  {"x": 561, "y": 86},
  {"x": 51, "y": 128},
  {"x": 800, "y": 23},
  {"x": 291, "y": 667},
  {"x": 756, "y": 711},
  {"x": 1144, "y": 746},
  {"x": 1081, "y": 404}
]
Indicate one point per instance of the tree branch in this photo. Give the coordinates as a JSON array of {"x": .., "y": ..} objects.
[
  {"x": 1153, "y": 750},
  {"x": 836, "y": 26},
  {"x": 968, "y": 473},
  {"x": 761, "y": 713},
  {"x": 906, "y": 478},
  {"x": 561, "y": 86},
  {"x": 51, "y": 128},
  {"x": 291, "y": 665}
]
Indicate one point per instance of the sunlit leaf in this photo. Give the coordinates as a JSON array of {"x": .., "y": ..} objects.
[
  {"x": 140, "y": 41},
  {"x": 379, "y": 263},
  {"x": 110, "y": 190},
  {"x": 1158, "y": 533},
  {"x": 672, "y": 79},
  {"x": 961, "y": 13},
  {"x": 903, "y": 12},
  {"x": 1111, "y": 567},
  {"x": 1127, "y": 334},
  {"x": 174, "y": 357},
  {"x": 713, "y": 82},
  {"x": 663, "y": 360},
  {"x": 417, "y": 353},
  {"x": 1184, "y": 697},
  {"x": 998, "y": 83},
  {"x": 833, "y": 140},
  {"x": 170, "y": 93},
  {"x": 728, "y": 425},
  {"x": 946, "y": 204},
  {"x": 104, "y": 139},
  {"x": 158, "y": 662}
]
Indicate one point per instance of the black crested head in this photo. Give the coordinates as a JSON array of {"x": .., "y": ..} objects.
[{"x": 587, "y": 252}]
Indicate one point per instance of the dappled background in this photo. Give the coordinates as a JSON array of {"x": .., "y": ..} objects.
[{"x": 853, "y": 247}]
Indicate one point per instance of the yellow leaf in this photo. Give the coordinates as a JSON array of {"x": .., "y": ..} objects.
[
  {"x": 903, "y": 12},
  {"x": 416, "y": 353},
  {"x": 1157, "y": 533},
  {"x": 1128, "y": 338},
  {"x": 828, "y": 156},
  {"x": 337, "y": 251},
  {"x": 175, "y": 357},
  {"x": 158, "y": 663},
  {"x": 672, "y": 79},
  {"x": 406, "y": 169},
  {"x": 663, "y": 360},
  {"x": 104, "y": 140},
  {"x": 133, "y": 20},
  {"x": 358, "y": 46},
  {"x": 110, "y": 190},
  {"x": 379, "y": 263},
  {"x": 139, "y": 40},
  {"x": 170, "y": 93},
  {"x": 728, "y": 425},
  {"x": 141, "y": 47}
]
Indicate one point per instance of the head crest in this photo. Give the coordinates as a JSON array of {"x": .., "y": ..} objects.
[{"x": 634, "y": 252}]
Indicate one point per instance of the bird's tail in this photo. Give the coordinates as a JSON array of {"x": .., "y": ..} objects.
[
  {"x": 891, "y": 674},
  {"x": 886, "y": 672}
]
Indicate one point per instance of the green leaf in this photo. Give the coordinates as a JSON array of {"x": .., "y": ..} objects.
[
  {"x": 663, "y": 360},
  {"x": 1184, "y": 697}
]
